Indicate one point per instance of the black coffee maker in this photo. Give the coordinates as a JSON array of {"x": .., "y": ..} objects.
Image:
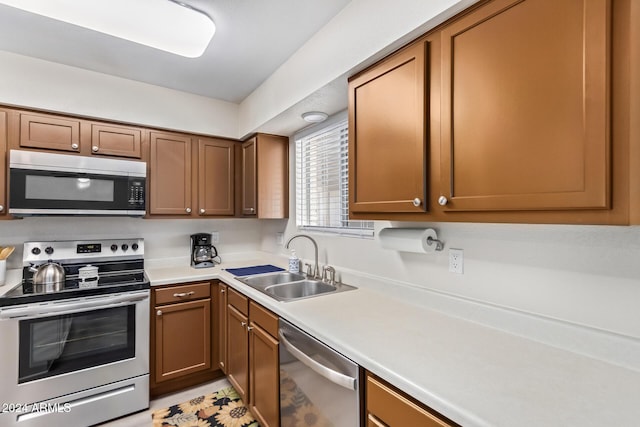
[{"x": 203, "y": 253}]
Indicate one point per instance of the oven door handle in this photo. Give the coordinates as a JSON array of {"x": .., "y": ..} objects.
[
  {"x": 35, "y": 311},
  {"x": 335, "y": 377}
]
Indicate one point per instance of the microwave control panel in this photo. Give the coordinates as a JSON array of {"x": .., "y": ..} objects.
[{"x": 136, "y": 191}]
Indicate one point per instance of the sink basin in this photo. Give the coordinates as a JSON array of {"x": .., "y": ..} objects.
[
  {"x": 302, "y": 289},
  {"x": 261, "y": 281},
  {"x": 286, "y": 286}
]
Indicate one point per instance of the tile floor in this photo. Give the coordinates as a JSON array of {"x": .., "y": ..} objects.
[{"x": 143, "y": 419}]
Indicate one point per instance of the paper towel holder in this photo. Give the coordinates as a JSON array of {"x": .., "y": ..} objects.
[{"x": 437, "y": 242}]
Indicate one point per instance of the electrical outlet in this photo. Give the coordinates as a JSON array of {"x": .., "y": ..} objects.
[
  {"x": 456, "y": 261},
  {"x": 215, "y": 237},
  {"x": 280, "y": 238}
]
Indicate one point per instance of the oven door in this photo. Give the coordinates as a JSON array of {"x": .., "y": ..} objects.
[
  {"x": 47, "y": 192},
  {"x": 65, "y": 347}
]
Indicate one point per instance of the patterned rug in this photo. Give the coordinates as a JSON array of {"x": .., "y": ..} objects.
[{"x": 220, "y": 409}]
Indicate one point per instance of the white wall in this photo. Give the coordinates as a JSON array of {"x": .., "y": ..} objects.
[
  {"x": 164, "y": 238},
  {"x": 365, "y": 30},
  {"x": 40, "y": 84}
]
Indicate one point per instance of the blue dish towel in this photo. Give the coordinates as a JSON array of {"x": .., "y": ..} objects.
[{"x": 256, "y": 269}]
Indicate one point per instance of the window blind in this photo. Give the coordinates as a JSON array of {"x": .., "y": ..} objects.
[{"x": 322, "y": 182}]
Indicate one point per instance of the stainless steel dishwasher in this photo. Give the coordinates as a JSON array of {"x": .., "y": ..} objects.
[{"x": 318, "y": 386}]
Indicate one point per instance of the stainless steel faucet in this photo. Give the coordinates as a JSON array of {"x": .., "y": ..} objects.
[{"x": 316, "y": 270}]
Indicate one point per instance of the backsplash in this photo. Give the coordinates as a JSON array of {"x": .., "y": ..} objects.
[
  {"x": 164, "y": 238},
  {"x": 584, "y": 275}
]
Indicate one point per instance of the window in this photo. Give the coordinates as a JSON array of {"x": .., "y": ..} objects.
[{"x": 322, "y": 180}]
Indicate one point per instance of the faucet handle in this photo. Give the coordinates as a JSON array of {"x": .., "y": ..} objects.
[
  {"x": 308, "y": 268},
  {"x": 331, "y": 273}
]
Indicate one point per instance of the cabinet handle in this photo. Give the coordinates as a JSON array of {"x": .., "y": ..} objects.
[
  {"x": 249, "y": 328},
  {"x": 442, "y": 200},
  {"x": 243, "y": 324},
  {"x": 184, "y": 294},
  {"x": 159, "y": 313},
  {"x": 74, "y": 146},
  {"x": 202, "y": 211},
  {"x": 222, "y": 291},
  {"x": 95, "y": 148},
  {"x": 1, "y": 208},
  {"x": 417, "y": 202},
  {"x": 188, "y": 210}
]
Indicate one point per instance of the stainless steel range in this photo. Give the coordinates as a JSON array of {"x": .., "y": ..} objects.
[{"x": 75, "y": 335}]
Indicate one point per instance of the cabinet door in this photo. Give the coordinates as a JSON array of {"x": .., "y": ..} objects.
[
  {"x": 170, "y": 174},
  {"x": 183, "y": 339},
  {"x": 49, "y": 132},
  {"x": 215, "y": 177},
  {"x": 222, "y": 325},
  {"x": 387, "y": 134},
  {"x": 389, "y": 407},
  {"x": 272, "y": 171},
  {"x": 265, "y": 378},
  {"x": 238, "y": 352},
  {"x": 249, "y": 178},
  {"x": 3, "y": 163},
  {"x": 525, "y": 116},
  {"x": 110, "y": 140}
]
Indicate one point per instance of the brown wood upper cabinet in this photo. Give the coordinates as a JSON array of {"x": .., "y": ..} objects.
[
  {"x": 264, "y": 182},
  {"x": 170, "y": 174},
  {"x": 3, "y": 163},
  {"x": 525, "y": 123},
  {"x": 49, "y": 132},
  {"x": 495, "y": 117},
  {"x": 191, "y": 178},
  {"x": 387, "y": 135},
  {"x": 113, "y": 140},
  {"x": 216, "y": 166},
  {"x": 74, "y": 135}
]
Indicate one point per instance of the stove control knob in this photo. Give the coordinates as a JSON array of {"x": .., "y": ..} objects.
[
  {"x": 48, "y": 250},
  {"x": 134, "y": 246},
  {"x": 124, "y": 246},
  {"x": 36, "y": 251},
  {"x": 114, "y": 248}
]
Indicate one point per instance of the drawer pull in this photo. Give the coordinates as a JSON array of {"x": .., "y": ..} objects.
[{"x": 184, "y": 294}]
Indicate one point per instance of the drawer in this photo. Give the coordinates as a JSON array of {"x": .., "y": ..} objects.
[
  {"x": 389, "y": 407},
  {"x": 239, "y": 301},
  {"x": 183, "y": 293},
  {"x": 263, "y": 318}
]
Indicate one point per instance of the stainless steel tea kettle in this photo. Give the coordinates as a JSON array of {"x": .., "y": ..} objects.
[{"x": 48, "y": 274}]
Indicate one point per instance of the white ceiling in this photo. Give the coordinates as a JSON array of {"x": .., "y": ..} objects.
[{"x": 253, "y": 38}]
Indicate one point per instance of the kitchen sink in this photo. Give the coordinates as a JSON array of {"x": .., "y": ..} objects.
[
  {"x": 261, "y": 281},
  {"x": 302, "y": 289},
  {"x": 285, "y": 286}
]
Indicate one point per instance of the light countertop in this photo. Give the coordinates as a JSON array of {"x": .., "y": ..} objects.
[{"x": 472, "y": 373}]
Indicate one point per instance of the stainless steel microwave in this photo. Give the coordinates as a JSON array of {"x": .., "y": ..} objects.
[{"x": 43, "y": 183}]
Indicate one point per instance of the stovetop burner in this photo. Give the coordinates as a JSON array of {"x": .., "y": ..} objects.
[{"x": 119, "y": 265}]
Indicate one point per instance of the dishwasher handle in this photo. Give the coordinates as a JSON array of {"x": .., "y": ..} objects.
[{"x": 335, "y": 377}]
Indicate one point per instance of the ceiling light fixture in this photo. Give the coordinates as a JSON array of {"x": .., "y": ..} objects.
[
  {"x": 168, "y": 25},
  {"x": 314, "y": 116}
]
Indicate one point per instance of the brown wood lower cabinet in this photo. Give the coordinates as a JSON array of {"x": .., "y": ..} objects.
[
  {"x": 252, "y": 357},
  {"x": 184, "y": 349},
  {"x": 389, "y": 407}
]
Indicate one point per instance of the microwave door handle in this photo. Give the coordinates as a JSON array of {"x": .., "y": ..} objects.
[
  {"x": 36, "y": 311},
  {"x": 335, "y": 377}
]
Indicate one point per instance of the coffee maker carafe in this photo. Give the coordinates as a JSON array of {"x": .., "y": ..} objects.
[{"x": 203, "y": 253}]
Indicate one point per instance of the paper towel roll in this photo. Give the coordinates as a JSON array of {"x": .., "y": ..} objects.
[{"x": 408, "y": 239}]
